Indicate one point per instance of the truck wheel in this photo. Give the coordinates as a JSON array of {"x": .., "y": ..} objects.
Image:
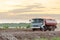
[
  {"x": 52, "y": 28},
  {"x": 41, "y": 29},
  {"x": 33, "y": 29},
  {"x": 49, "y": 29},
  {"x": 45, "y": 28},
  {"x": 55, "y": 26}
]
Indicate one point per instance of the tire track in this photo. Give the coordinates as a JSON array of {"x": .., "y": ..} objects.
[{"x": 7, "y": 36}]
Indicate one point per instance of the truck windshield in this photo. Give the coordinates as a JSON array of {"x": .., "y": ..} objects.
[{"x": 37, "y": 20}]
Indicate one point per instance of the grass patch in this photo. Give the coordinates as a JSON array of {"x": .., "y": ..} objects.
[
  {"x": 56, "y": 38},
  {"x": 41, "y": 39}
]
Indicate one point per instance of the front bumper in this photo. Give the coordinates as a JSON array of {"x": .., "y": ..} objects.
[{"x": 35, "y": 27}]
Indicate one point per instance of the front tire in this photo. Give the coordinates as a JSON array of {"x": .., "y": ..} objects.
[{"x": 33, "y": 29}]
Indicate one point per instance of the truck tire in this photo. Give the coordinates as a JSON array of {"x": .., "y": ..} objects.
[
  {"x": 52, "y": 28},
  {"x": 33, "y": 29},
  {"x": 36, "y": 29},
  {"x": 41, "y": 29},
  {"x": 45, "y": 28}
]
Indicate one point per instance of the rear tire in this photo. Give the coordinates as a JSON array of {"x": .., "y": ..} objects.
[{"x": 51, "y": 28}]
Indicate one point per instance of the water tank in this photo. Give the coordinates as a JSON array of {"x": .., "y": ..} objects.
[{"x": 50, "y": 22}]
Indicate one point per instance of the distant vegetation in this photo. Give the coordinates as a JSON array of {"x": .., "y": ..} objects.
[{"x": 6, "y": 25}]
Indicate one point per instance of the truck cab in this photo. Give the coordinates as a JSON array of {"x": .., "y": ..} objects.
[{"x": 37, "y": 23}]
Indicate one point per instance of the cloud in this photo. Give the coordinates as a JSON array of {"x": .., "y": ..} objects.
[
  {"x": 27, "y": 9},
  {"x": 13, "y": 13}
]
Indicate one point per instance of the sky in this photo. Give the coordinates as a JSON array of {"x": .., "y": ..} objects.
[{"x": 15, "y": 11}]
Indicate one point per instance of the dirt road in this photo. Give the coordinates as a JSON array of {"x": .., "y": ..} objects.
[{"x": 20, "y": 34}]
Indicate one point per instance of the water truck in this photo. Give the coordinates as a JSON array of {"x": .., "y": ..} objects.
[{"x": 43, "y": 24}]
